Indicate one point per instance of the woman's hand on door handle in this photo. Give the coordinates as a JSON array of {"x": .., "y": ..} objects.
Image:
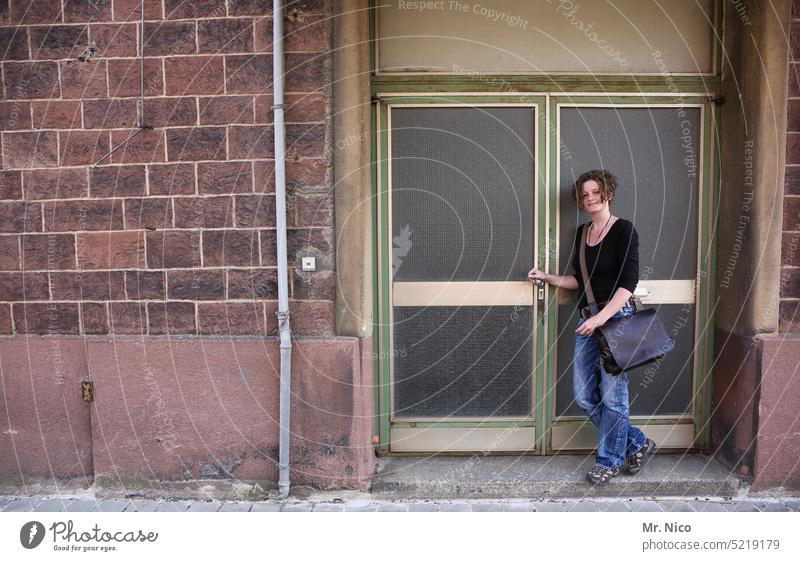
[
  {"x": 568, "y": 282},
  {"x": 537, "y": 276}
]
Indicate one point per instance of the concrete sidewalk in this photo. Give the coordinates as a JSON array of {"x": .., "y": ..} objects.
[
  {"x": 671, "y": 483},
  {"x": 351, "y": 501}
]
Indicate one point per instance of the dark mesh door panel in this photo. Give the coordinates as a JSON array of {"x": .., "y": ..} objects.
[
  {"x": 462, "y": 361},
  {"x": 462, "y": 211},
  {"x": 462, "y": 193},
  {"x": 655, "y": 155}
]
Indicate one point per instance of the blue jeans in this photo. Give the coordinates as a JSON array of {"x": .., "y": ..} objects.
[{"x": 604, "y": 399}]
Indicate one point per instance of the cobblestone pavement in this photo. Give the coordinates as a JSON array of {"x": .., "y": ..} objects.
[{"x": 368, "y": 503}]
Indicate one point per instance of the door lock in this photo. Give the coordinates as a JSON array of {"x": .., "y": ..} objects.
[{"x": 539, "y": 293}]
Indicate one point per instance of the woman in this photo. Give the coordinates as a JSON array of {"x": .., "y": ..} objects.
[{"x": 612, "y": 262}]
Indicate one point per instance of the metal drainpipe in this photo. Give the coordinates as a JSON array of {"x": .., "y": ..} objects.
[{"x": 283, "y": 269}]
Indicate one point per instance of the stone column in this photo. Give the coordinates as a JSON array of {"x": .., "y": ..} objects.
[
  {"x": 351, "y": 165},
  {"x": 753, "y": 125}
]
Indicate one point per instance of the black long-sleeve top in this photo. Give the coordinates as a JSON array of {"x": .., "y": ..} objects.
[{"x": 611, "y": 264}]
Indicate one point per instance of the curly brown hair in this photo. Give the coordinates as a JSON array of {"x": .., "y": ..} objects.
[{"x": 605, "y": 179}]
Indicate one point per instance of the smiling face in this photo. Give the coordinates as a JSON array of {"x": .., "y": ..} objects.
[
  {"x": 594, "y": 190},
  {"x": 592, "y": 197}
]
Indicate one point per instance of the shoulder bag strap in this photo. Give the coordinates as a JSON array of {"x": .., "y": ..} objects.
[{"x": 587, "y": 285}]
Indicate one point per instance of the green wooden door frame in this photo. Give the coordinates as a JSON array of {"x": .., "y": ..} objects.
[
  {"x": 547, "y": 197},
  {"x": 607, "y": 89},
  {"x": 382, "y": 253},
  {"x": 705, "y": 291}
]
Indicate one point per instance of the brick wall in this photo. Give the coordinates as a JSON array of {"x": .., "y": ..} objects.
[
  {"x": 790, "y": 251},
  {"x": 175, "y": 231}
]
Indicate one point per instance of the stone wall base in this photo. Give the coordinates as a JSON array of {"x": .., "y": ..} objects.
[
  {"x": 755, "y": 425},
  {"x": 183, "y": 410}
]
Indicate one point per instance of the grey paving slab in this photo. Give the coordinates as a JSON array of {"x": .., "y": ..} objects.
[
  {"x": 728, "y": 506},
  {"x": 328, "y": 507},
  {"x": 707, "y": 506},
  {"x": 455, "y": 507},
  {"x": 22, "y": 505},
  {"x": 205, "y": 506},
  {"x": 644, "y": 506},
  {"x": 612, "y": 506},
  {"x": 142, "y": 506},
  {"x": 360, "y": 506},
  {"x": 745, "y": 506},
  {"x": 581, "y": 506},
  {"x": 82, "y": 505},
  {"x": 52, "y": 505},
  {"x": 235, "y": 507},
  {"x": 392, "y": 507},
  {"x": 549, "y": 507},
  {"x": 676, "y": 506},
  {"x": 483, "y": 506},
  {"x": 519, "y": 506},
  {"x": 793, "y": 504},
  {"x": 113, "y": 506},
  {"x": 266, "y": 507},
  {"x": 423, "y": 506},
  {"x": 173, "y": 506},
  {"x": 297, "y": 507},
  {"x": 771, "y": 506}
]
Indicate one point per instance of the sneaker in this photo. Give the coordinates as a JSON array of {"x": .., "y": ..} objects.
[
  {"x": 601, "y": 475},
  {"x": 638, "y": 460}
]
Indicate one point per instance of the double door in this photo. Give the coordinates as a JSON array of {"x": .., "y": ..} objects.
[{"x": 472, "y": 192}]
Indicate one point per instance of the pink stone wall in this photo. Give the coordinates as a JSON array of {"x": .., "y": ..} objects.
[
  {"x": 333, "y": 416},
  {"x": 778, "y": 444},
  {"x": 45, "y": 429},
  {"x": 734, "y": 400},
  {"x": 184, "y": 409}
]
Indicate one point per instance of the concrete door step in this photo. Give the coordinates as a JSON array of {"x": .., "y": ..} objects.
[{"x": 543, "y": 477}]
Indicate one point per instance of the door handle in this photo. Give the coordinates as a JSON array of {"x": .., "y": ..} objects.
[{"x": 540, "y": 294}]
